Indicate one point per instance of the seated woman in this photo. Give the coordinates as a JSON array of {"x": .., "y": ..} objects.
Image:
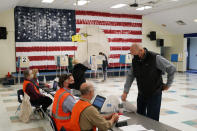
[
  {"x": 35, "y": 79},
  {"x": 36, "y": 98}
]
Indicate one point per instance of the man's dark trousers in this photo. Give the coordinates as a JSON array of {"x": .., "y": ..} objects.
[{"x": 149, "y": 107}]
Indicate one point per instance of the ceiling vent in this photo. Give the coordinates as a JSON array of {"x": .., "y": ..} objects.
[
  {"x": 152, "y": 2},
  {"x": 180, "y": 22}
]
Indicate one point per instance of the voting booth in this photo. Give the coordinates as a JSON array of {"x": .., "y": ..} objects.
[
  {"x": 64, "y": 60},
  {"x": 125, "y": 59},
  {"x": 128, "y": 58},
  {"x": 176, "y": 58},
  {"x": 61, "y": 61},
  {"x": 100, "y": 59}
]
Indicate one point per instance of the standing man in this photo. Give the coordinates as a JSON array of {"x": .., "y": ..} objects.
[
  {"x": 147, "y": 67},
  {"x": 104, "y": 65}
]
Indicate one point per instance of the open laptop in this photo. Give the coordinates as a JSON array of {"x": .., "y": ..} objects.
[
  {"x": 54, "y": 88},
  {"x": 55, "y": 84},
  {"x": 98, "y": 102}
]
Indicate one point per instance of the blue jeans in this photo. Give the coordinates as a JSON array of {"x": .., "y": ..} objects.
[{"x": 149, "y": 107}]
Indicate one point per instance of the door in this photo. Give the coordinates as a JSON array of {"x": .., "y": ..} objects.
[{"x": 193, "y": 54}]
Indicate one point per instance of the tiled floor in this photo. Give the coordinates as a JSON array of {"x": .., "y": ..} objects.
[{"x": 178, "y": 109}]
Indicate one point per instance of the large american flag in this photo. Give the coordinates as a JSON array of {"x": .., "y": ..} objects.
[{"x": 42, "y": 34}]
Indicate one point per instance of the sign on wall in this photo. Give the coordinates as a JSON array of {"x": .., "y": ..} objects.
[{"x": 24, "y": 62}]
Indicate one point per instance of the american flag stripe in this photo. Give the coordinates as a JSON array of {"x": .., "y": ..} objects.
[
  {"x": 107, "y": 31},
  {"x": 41, "y": 67},
  {"x": 48, "y": 48},
  {"x": 108, "y": 19},
  {"x": 120, "y": 44},
  {"x": 123, "y": 36},
  {"x": 106, "y": 27},
  {"x": 44, "y": 44},
  {"x": 123, "y": 40},
  {"x": 44, "y": 53},
  {"x": 122, "y": 32},
  {"x": 92, "y": 13},
  {"x": 109, "y": 23}
]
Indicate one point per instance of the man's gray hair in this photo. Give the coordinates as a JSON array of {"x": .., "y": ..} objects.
[
  {"x": 26, "y": 73},
  {"x": 137, "y": 45},
  {"x": 86, "y": 88}
]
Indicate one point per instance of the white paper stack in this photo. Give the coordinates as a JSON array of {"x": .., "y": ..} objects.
[
  {"x": 123, "y": 118},
  {"x": 134, "y": 128}
]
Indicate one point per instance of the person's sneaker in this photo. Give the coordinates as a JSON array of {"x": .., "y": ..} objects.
[{"x": 103, "y": 80}]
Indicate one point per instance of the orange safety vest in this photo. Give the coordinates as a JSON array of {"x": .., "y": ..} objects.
[
  {"x": 25, "y": 86},
  {"x": 61, "y": 118},
  {"x": 76, "y": 112}
]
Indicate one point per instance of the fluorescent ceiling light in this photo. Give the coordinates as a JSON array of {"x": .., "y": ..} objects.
[
  {"x": 81, "y": 2},
  {"x": 195, "y": 20},
  {"x": 140, "y": 8},
  {"x": 47, "y": 1},
  {"x": 118, "y": 6},
  {"x": 144, "y": 7},
  {"x": 175, "y": 0},
  {"x": 147, "y": 7}
]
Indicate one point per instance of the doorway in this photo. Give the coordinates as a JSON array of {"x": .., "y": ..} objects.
[{"x": 192, "y": 53}]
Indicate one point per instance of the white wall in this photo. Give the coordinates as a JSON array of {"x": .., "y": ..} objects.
[
  {"x": 175, "y": 42},
  {"x": 7, "y": 47},
  {"x": 160, "y": 34},
  {"x": 178, "y": 47}
]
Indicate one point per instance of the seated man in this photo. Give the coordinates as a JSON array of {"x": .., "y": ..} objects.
[
  {"x": 63, "y": 103},
  {"x": 86, "y": 117},
  {"x": 36, "y": 98}
]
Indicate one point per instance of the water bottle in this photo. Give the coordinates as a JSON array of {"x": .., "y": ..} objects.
[{"x": 109, "y": 107}]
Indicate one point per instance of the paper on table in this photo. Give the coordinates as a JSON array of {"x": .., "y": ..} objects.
[
  {"x": 123, "y": 118},
  {"x": 129, "y": 107},
  {"x": 133, "y": 128}
]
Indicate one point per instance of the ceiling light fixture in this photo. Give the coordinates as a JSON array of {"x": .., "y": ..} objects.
[
  {"x": 144, "y": 7},
  {"x": 47, "y": 1},
  {"x": 81, "y": 2},
  {"x": 147, "y": 7},
  {"x": 174, "y": 0},
  {"x": 140, "y": 8},
  {"x": 195, "y": 20},
  {"x": 118, "y": 6}
]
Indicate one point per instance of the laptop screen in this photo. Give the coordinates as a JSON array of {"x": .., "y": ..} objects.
[
  {"x": 98, "y": 102},
  {"x": 55, "y": 84}
]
